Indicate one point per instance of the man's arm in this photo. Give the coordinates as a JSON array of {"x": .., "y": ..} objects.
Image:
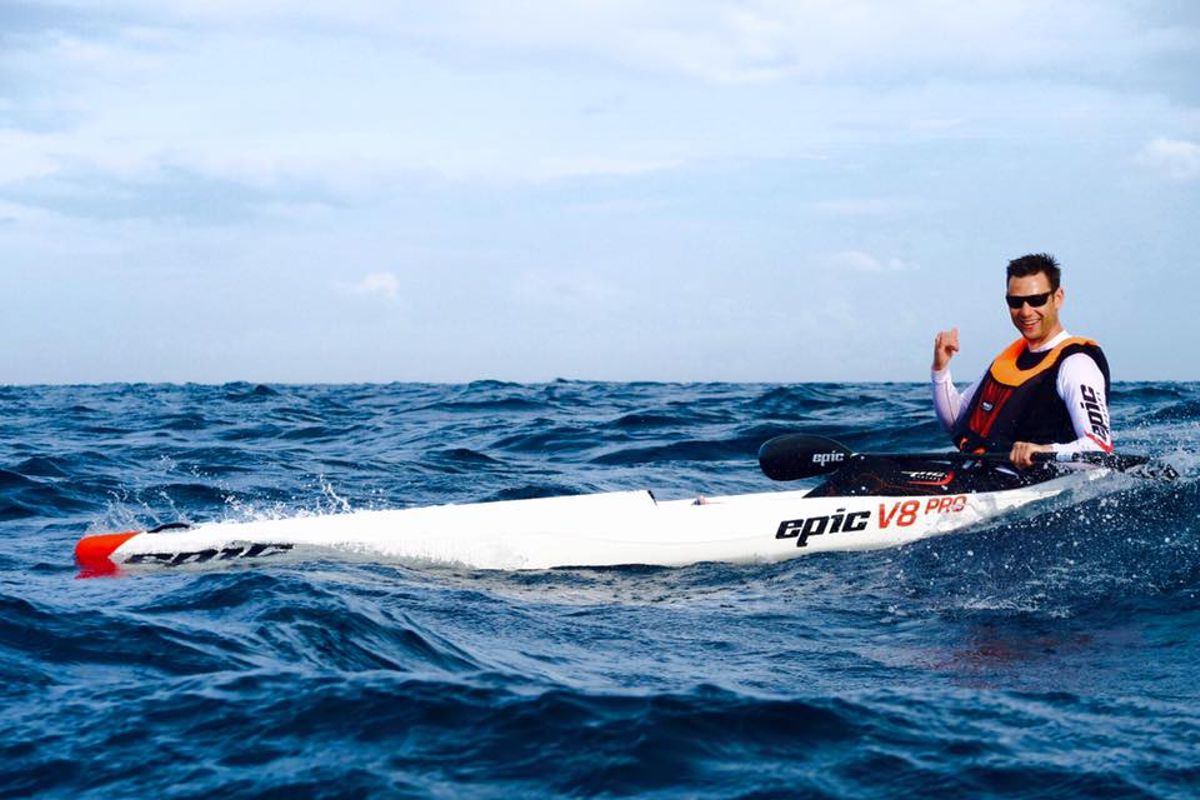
[
  {"x": 948, "y": 403},
  {"x": 1080, "y": 384}
]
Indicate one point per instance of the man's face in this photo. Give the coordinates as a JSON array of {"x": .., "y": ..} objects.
[{"x": 1038, "y": 323}]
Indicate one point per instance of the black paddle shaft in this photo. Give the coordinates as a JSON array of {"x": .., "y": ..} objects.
[{"x": 794, "y": 456}]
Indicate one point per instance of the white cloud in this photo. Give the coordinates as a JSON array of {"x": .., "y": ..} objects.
[
  {"x": 730, "y": 41},
  {"x": 935, "y": 125},
  {"x": 567, "y": 290},
  {"x": 1175, "y": 158},
  {"x": 378, "y": 284},
  {"x": 864, "y": 207},
  {"x": 19, "y": 214},
  {"x": 25, "y": 155},
  {"x": 555, "y": 168},
  {"x": 860, "y": 261},
  {"x": 754, "y": 41},
  {"x": 233, "y": 90}
]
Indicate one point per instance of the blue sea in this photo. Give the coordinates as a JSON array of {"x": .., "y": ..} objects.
[{"x": 1053, "y": 654}]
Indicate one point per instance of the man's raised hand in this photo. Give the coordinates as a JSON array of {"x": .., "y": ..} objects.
[{"x": 944, "y": 348}]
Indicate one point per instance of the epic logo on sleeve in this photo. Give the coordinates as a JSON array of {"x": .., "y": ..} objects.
[{"x": 1096, "y": 416}]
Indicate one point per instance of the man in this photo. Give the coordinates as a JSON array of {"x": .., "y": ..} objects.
[{"x": 1047, "y": 392}]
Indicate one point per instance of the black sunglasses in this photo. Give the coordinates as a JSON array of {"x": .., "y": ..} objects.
[{"x": 1015, "y": 301}]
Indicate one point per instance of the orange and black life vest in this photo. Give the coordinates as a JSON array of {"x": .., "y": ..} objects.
[{"x": 1018, "y": 401}]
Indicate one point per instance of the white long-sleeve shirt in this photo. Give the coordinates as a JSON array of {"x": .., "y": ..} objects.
[{"x": 1080, "y": 384}]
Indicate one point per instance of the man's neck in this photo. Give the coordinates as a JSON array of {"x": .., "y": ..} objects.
[{"x": 1050, "y": 341}]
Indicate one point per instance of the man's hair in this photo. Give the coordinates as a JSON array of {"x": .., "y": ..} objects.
[{"x": 1034, "y": 263}]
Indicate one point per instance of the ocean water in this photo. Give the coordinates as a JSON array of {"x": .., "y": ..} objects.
[{"x": 1051, "y": 654}]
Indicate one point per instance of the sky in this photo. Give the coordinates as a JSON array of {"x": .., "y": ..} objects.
[{"x": 684, "y": 190}]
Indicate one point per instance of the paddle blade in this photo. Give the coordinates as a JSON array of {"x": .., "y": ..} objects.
[
  {"x": 800, "y": 455},
  {"x": 1141, "y": 466}
]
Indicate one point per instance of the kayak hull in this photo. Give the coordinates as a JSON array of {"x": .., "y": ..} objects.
[{"x": 576, "y": 531}]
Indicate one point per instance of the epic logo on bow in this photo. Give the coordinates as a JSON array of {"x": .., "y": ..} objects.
[
  {"x": 827, "y": 458},
  {"x": 261, "y": 550}
]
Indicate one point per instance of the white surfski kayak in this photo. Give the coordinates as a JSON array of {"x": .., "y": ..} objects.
[{"x": 628, "y": 527}]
